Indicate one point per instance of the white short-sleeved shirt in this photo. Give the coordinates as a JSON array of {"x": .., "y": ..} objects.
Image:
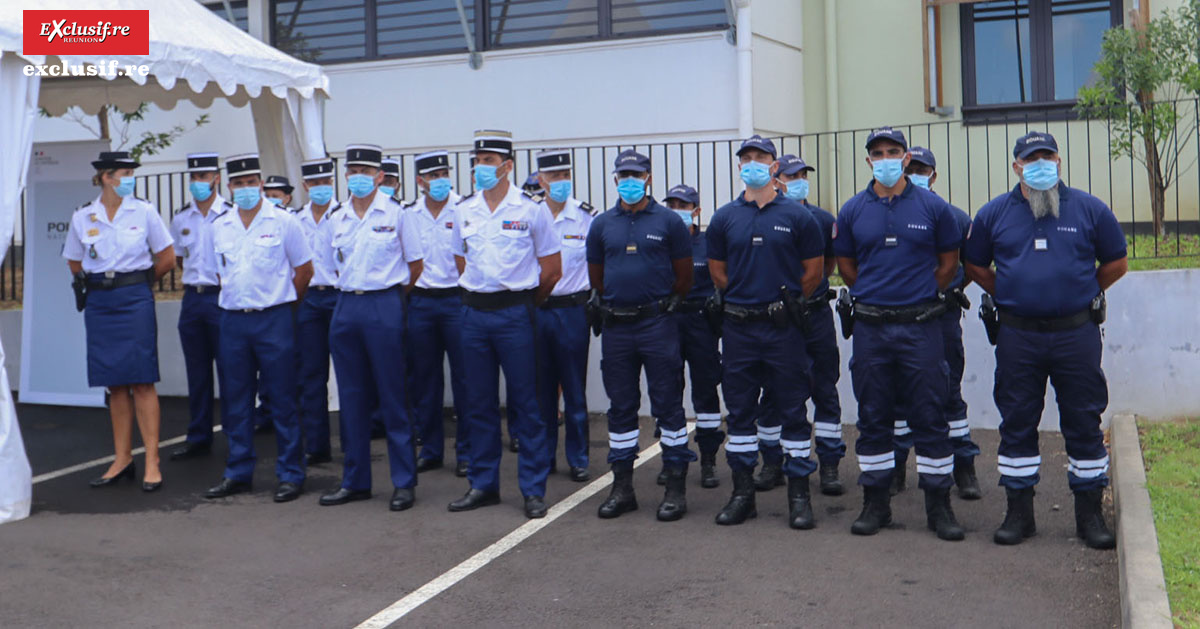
[
  {"x": 439, "y": 270},
  {"x": 502, "y": 248},
  {"x": 572, "y": 224},
  {"x": 257, "y": 265},
  {"x": 320, "y": 236},
  {"x": 192, "y": 232},
  {"x": 372, "y": 253},
  {"x": 122, "y": 245}
]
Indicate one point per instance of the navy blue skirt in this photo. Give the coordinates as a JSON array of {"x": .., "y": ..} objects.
[{"x": 122, "y": 336}]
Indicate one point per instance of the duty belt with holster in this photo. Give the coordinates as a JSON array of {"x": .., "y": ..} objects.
[
  {"x": 918, "y": 313},
  {"x": 83, "y": 283},
  {"x": 452, "y": 291},
  {"x": 611, "y": 315},
  {"x": 993, "y": 318},
  {"x": 693, "y": 306},
  {"x": 790, "y": 310},
  {"x": 566, "y": 301},
  {"x": 498, "y": 300}
]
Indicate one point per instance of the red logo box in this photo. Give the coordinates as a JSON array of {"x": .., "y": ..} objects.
[{"x": 92, "y": 32}]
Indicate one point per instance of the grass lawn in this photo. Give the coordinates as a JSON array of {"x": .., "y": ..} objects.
[
  {"x": 1172, "y": 453},
  {"x": 1173, "y": 252}
]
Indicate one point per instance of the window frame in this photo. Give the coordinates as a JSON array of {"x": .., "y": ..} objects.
[{"x": 1041, "y": 67}]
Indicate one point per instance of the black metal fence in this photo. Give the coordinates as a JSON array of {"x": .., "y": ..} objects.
[{"x": 974, "y": 164}]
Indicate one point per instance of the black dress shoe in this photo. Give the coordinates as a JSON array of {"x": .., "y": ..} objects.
[
  {"x": 129, "y": 471},
  {"x": 460, "y": 468},
  {"x": 317, "y": 459},
  {"x": 227, "y": 487},
  {"x": 150, "y": 487},
  {"x": 287, "y": 492},
  {"x": 402, "y": 499},
  {"x": 474, "y": 499},
  {"x": 425, "y": 465},
  {"x": 580, "y": 474},
  {"x": 535, "y": 507},
  {"x": 343, "y": 495},
  {"x": 191, "y": 451}
]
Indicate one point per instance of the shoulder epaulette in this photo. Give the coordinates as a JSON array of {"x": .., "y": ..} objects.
[
  {"x": 185, "y": 206},
  {"x": 410, "y": 204},
  {"x": 587, "y": 207},
  {"x": 393, "y": 200},
  {"x": 227, "y": 203},
  {"x": 81, "y": 207},
  {"x": 536, "y": 198}
]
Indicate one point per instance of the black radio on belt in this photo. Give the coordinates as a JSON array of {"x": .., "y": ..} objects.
[{"x": 990, "y": 317}]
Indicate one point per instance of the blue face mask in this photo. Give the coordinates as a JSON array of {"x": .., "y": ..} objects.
[
  {"x": 360, "y": 185},
  {"x": 686, "y": 215},
  {"x": 321, "y": 195},
  {"x": 485, "y": 177},
  {"x": 387, "y": 190},
  {"x": 560, "y": 191},
  {"x": 273, "y": 201},
  {"x": 797, "y": 190},
  {"x": 201, "y": 190},
  {"x": 920, "y": 181},
  {"x": 756, "y": 174},
  {"x": 246, "y": 198},
  {"x": 125, "y": 188},
  {"x": 1040, "y": 175},
  {"x": 887, "y": 171},
  {"x": 632, "y": 190},
  {"x": 440, "y": 188}
]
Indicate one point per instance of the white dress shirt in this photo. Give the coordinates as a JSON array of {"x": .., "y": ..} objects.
[
  {"x": 436, "y": 234},
  {"x": 122, "y": 245},
  {"x": 502, "y": 248},
  {"x": 320, "y": 237},
  {"x": 572, "y": 225},
  {"x": 372, "y": 253},
  {"x": 257, "y": 264},
  {"x": 192, "y": 232}
]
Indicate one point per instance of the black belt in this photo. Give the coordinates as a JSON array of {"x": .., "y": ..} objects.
[
  {"x": 632, "y": 314},
  {"x": 389, "y": 289},
  {"x": 498, "y": 300},
  {"x": 823, "y": 298},
  {"x": 745, "y": 314},
  {"x": 692, "y": 305},
  {"x": 1055, "y": 324},
  {"x": 566, "y": 301},
  {"x": 267, "y": 309},
  {"x": 200, "y": 289},
  {"x": 918, "y": 313},
  {"x": 453, "y": 291},
  {"x": 110, "y": 279}
]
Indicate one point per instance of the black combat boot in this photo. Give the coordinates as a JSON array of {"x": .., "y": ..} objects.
[
  {"x": 620, "y": 499},
  {"x": 1018, "y": 520},
  {"x": 964, "y": 477},
  {"x": 741, "y": 503},
  {"x": 770, "y": 477},
  {"x": 831, "y": 485},
  {"x": 876, "y": 511},
  {"x": 800, "y": 512},
  {"x": 899, "y": 480},
  {"x": 661, "y": 479},
  {"x": 1089, "y": 520},
  {"x": 674, "y": 502},
  {"x": 939, "y": 517},
  {"x": 708, "y": 470}
]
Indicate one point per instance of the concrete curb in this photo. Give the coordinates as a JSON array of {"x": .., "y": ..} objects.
[{"x": 1144, "y": 602}]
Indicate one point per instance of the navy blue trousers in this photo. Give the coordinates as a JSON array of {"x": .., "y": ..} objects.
[
  {"x": 625, "y": 350},
  {"x": 1071, "y": 360},
  {"x": 495, "y": 340},
  {"x": 702, "y": 353},
  {"x": 435, "y": 335},
  {"x": 890, "y": 360},
  {"x": 825, "y": 370},
  {"x": 956, "y": 407},
  {"x": 366, "y": 338},
  {"x": 759, "y": 356},
  {"x": 312, "y": 341},
  {"x": 258, "y": 348},
  {"x": 199, "y": 335},
  {"x": 562, "y": 343}
]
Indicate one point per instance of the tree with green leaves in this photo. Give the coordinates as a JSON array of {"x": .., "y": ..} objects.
[
  {"x": 1144, "y": 75},
  {"x": 109, "y": 120}
]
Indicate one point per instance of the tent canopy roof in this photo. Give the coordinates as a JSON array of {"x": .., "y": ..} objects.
[{"x": 194, "y": 55}]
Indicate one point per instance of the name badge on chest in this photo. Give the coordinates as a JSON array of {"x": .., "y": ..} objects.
[
  {"x": 890, "y": 240},
  {"x": 631, "y": 249},
  {"x": 756, "y": 241},
  {"x": 1040, "y": 244}
]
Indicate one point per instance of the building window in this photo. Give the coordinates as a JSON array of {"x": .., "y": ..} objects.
[
  {"x": 335, "y": 31},
  {"x": 237, "y": 8},
  {"x": 1026, "y": 55}
]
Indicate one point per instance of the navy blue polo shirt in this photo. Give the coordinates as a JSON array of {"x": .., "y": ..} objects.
[
  {"x": 896, "y": 242},
  {"x": 702, "y": 284},
  {"x": 825, "y": 220},
  {"x": 637, "y": 250},
  {"x": 763, "y": 248},
  {"x": 1045, "y": 267},
  {"x": 964, "y": 226}
]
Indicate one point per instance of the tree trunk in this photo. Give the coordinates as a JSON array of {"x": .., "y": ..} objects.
[
  {"x": 1158, "y": 189},
  {"x": 102, "y": 118}
]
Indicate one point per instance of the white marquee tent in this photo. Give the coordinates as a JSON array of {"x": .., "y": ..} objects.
[{"x": 195, "y": 55}]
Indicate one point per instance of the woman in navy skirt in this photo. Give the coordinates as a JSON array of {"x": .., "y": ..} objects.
[{"x": 116, "y": 247}]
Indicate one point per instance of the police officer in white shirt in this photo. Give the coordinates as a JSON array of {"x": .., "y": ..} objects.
[
  {"x": 116, "y": 246},
  {"x": 277, "y": 190},
  {"x": 507, "y": 250},
  {"x": 391, "y": 178},
  {"x": 199, "y": 314},
  {"x": 377, "y": 252},
  {"x": 562, "y": 329},
  {"x": 435, "y": 317},
  {"x": 264, "y": 264},
  {"x": 316, "y": 310}
]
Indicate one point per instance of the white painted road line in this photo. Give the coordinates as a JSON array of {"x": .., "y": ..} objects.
[
  {"x": 418, "y": 597},
  {"x": 41, "y": 478}
]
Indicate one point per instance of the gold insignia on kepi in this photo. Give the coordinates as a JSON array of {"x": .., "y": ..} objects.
[{"x": 93, "y": 232}]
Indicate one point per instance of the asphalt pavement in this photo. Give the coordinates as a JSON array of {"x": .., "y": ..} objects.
[{"x": 117, "y": 556}]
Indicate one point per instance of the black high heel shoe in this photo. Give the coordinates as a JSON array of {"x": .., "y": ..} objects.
[
  {"x": 149, "y": 487},
  {"x": 129, "y": 472}
]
